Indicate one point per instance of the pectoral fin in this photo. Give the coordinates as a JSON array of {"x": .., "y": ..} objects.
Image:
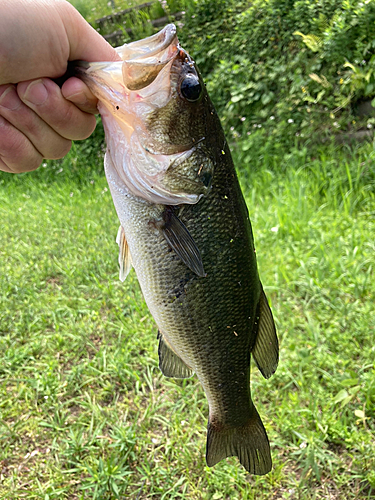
[
  {"x": 181, "y": 241},
  {"x": 170, "y": 364},
  {"x": 124, "y": 257},
  {"x": 266, "y": 348}
]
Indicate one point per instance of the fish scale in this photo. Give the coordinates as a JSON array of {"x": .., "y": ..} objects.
[{"x": 185, "y": 229}]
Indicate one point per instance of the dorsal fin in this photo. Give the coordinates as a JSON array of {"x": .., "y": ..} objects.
[
  {"x": 170, "y": 364},
  {"x": 124, "y": 257},
  {"x": 266, "y": 348}
]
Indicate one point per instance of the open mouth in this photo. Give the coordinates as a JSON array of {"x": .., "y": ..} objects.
[
  {"x": 129, "y": 91},
  {"x": 144, "y": 59},
  {"x": 125, "y": 87},
  {"x": 153, "y": 49},
  {"x": 140, "y": 64}
]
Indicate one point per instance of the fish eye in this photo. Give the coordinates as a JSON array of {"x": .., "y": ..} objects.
[{"x": 191, "y": 88}]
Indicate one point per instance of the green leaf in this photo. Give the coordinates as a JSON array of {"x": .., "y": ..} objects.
[
  {"x": 311, "y": 41},
  {"x": 237, "y": 98},
  {"x": 345, "y": 401},
  {"x": 369, "y": 88},
  {"x": 340, "y": 396},
  {"x": 266, "y": 98},
  {"x": 320, "y": 95},
  {"x": 349, "y": 382},
  {"x": 212, "y": 51},
  {"x": 354, "y": 390}
]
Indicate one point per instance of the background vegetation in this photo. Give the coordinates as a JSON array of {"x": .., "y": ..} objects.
[
  {"x": 84, "y": 410},
  {"x": 281, "y": 73},
  {"x": 92, "y": 10},
  {"x": 286, "y": 69}
]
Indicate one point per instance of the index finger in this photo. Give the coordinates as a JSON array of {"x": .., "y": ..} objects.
[{"x": 44, "y": 97}]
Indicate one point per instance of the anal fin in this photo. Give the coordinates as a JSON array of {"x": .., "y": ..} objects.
[
  {"x": 124, "y": 257},
  {"x": 266, "y": 347},
  {"x": 170, "y": 364}
]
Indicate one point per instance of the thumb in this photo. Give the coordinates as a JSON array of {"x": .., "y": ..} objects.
[{"x": 85, "y": 43}]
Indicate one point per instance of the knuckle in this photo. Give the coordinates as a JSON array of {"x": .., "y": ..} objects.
[
  {"x": 16, "y": 151},
  {"x": 12, "y": 141},
  {"x": 31, "y": 125}
]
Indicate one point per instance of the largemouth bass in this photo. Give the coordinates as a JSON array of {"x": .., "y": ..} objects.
[{"x": 186, "y": 231}]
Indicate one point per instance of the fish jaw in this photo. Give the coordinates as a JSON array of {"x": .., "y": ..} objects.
[
  {"x": 133, "y": 94},
  {"x": 152, "y": 47},
  {"x": 144, "y": 59}
]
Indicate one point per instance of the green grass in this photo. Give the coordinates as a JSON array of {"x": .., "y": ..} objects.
[{"x": 85, "y": 412}]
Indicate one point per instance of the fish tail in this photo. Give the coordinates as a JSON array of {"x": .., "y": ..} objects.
[{"x": 249, "y": 442}]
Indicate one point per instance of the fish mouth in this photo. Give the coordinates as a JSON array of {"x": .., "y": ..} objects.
[
  {"x": 141, "y": 62},
  {"x": 144, "y": 59},
  {"x": 152, "y": 48},
  {"x": 129, "y": 91},
  {"x": 120, "y": 84},
  {"x": 127, "y": 87}
]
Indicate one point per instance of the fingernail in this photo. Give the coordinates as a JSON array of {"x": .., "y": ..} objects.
[
  {"x": 36, "y": 93},
  {"x": 78, "y": 98},
  {"x": 9, "y": 99}
]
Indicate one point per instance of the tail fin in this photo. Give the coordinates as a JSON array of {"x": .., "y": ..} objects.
[{"x": 248, "y": 442}]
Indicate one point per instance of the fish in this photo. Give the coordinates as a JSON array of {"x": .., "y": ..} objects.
[{"x": 186, "y": 231}]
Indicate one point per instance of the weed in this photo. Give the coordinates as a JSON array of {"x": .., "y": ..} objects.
[{"x": 85, "y": 412}]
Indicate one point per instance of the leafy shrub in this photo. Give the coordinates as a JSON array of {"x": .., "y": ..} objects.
[{"x": 284, "y": 69}]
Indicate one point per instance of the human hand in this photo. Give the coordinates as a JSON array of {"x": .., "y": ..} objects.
[{"x": 38, "y": 119}]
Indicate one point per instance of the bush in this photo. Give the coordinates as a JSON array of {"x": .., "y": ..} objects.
[{"x": 284, "y": 69}]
